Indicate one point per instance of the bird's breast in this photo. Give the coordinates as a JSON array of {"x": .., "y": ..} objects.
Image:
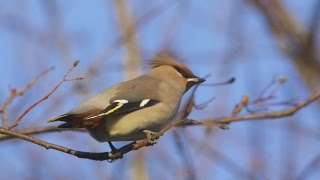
[{"x": 129, "y": 127}]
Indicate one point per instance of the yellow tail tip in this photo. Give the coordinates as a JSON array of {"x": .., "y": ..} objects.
[{"x": 56, "y": 118}]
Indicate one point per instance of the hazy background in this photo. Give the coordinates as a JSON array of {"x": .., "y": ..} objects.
[{"x": 253, "y": 40}]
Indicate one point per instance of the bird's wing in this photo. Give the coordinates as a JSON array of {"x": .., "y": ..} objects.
[
  {"x": 120, "y": 106},
  {"x": 94, "y": 117},
  {"x": 130, "y": 96}
]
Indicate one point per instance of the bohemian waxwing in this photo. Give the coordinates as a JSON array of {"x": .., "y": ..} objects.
[{"x": 124, "y": 111}]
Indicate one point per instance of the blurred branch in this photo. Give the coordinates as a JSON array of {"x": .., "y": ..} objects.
[
  {"x": 128, "y": 29},
  {"x": 187, "y": 160},
  {"x": 313, "y": 30},
  {"x": 174, "y": 24},
  {"x": 281, "y": 23},
  {"x": 313, "y": 166},
  {"x": 292, "y": 40},
  {"x": 130, "y": 63},
  {"x": 119, "y": 41},
  {"x": 56, "y": 29},
  {"x": 208, "y": 151}
]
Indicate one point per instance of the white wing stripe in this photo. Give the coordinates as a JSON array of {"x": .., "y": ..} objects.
[
  {"x": 122, "y": 101},
  {"x": 144, "y": 102}
]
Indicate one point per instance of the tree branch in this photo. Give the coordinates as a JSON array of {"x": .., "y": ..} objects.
[
  {"x": 271, "y": 115},
  {"x": 37, "y": 130},
  {"x": 117, "y": 154}
]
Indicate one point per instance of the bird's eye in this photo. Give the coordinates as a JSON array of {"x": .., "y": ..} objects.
[{"x": 181, "y": 72}]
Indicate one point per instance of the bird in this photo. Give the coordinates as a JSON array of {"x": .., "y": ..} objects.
[{"x": 126, "y": 111}]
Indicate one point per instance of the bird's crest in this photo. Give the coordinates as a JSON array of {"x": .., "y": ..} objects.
[{"x": 168, "y": 58}]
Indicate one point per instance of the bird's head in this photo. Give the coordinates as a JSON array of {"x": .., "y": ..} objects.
[{"x": 166, "y": 67}]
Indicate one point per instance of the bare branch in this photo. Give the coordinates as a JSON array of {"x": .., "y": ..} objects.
[
  {"x": 238, "y": 107},
  {"x": 36, "y": 141},
  {"x": 272, "y": 115},
  {"x": 38, "y": 130},
  {"x": 16, "y": 122},
  {"x": 14, "y": 93}
]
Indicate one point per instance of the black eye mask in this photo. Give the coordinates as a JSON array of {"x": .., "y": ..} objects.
[{"x": 183, "y": 73}]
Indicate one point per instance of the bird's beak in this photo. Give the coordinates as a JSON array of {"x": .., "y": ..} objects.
[{"x": 196, "y": 80}]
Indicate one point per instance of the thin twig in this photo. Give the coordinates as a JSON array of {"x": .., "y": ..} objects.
[
  {"x": 14, "y": 93},
  {"x": 273, "y": 87},
  {"x": 292, "y": 40},
  {"x": 16, "y": 122},
  {"x": 271, "y": 115}
]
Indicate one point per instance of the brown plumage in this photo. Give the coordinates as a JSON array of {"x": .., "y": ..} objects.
[
  {"x": 170, "y": 59},
  {"x": 147, "y": 102},
  {"x": 77, "y": 120}
]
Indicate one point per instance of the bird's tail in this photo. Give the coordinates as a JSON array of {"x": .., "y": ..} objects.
[
  {"x": 58, "y": 118},
  {"x": 76, "y": 121},
  {"x": 67, "y": 118}
]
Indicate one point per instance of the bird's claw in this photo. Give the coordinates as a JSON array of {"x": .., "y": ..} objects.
[
  {"x": 152, "y": 137},
  {"x": 113, "y": 159},
  {"x": 224, "y": 126}
]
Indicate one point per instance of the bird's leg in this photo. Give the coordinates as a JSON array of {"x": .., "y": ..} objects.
[
  {"x": 113, "y": 148},
  {"x": 152, "y": 137}
]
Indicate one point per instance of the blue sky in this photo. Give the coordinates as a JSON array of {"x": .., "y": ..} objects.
[{"x": 224, "y": 39}]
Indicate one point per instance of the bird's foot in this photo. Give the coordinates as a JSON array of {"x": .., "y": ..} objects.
[
  {"x": 112, "y": 147},
  {"x": 152, "y": 137},
  {"x": 114, "y": 158},
  {"x": 113, "y": 150}
]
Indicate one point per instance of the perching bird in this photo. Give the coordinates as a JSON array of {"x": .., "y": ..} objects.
[{"x": 124, "y": 111}]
